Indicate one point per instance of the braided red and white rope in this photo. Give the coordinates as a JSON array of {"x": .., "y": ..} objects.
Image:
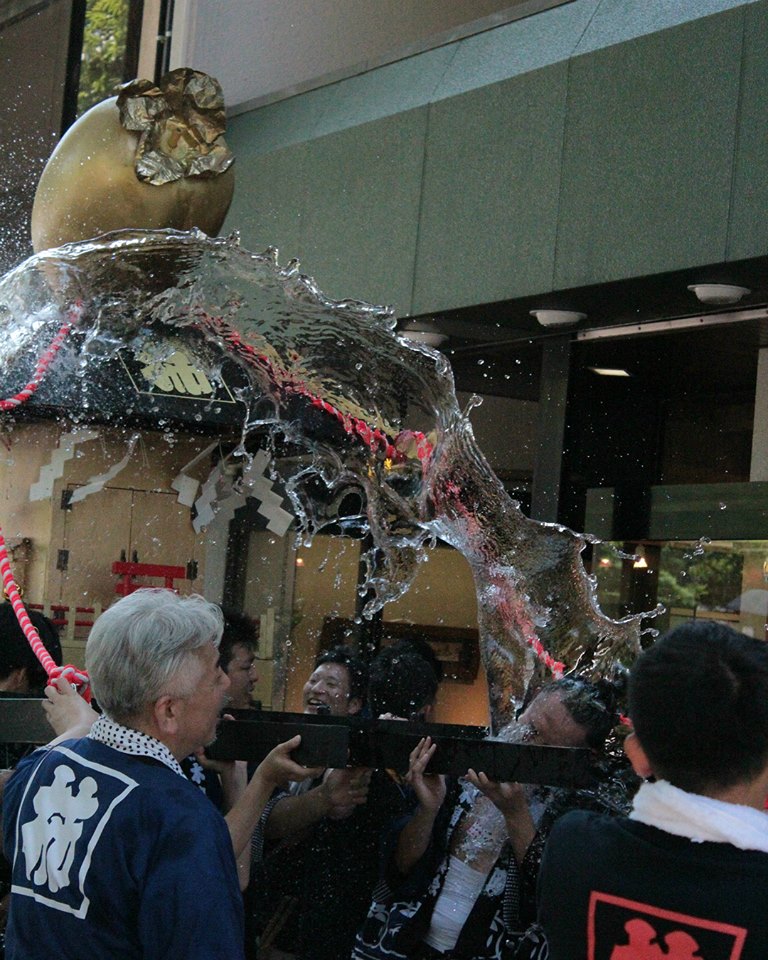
[
  {"x": 554, "y": 666},
  {"x": 374, "y": 438},
  {"x": 75, "y": 676},
  {"x": 73, "y": 316}
]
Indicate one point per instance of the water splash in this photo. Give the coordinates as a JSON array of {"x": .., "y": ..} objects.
[
  {"x": 698, "y": 549},
  {"x": 365, "y": 408}
]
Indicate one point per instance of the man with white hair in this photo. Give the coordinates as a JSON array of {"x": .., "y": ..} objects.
[{"x": 114, "y": 852}]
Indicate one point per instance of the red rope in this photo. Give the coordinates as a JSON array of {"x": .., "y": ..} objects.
[
  {"x": 373, "y": 438},
  {"x": 77, "y": 677},
  {"x": 73, "y": 315},
  {"x": 546, "y": 657}
]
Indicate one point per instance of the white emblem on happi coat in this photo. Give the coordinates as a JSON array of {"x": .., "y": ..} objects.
[
  {"x": 62, "y": 819},
  {"x": 50, "y": 839}
]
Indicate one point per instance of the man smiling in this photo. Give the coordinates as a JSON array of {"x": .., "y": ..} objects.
[
  {"x": 337, "y": 684},
  {"x": 326, "y": 866}
]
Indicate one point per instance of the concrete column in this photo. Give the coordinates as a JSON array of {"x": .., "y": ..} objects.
[
  {"x": 759, "y": 465},
  {"x": 545, "y": 492}
]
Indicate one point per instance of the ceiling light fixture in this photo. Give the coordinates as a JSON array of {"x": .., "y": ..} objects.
[
  {"x": 609, "y": 372},
  {"x": 718, "y": 293},
  {"x": 558, "y": 318},
  {"x": 423, "y": 332}
]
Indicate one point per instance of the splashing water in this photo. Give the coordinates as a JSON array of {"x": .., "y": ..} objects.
[
  {"x": 483, "y": 832},
  {"x": 366, "y": 408},
  {"x": 698, "y": 549}
]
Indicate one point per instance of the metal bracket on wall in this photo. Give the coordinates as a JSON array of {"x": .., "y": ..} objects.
[{"x": 667, "y": 326}]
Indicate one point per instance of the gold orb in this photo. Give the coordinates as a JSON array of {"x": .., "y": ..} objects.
[{"x": 91, "y": 186}]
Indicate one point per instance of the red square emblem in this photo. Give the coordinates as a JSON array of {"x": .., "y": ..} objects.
[{"x": 620, "y": 929}]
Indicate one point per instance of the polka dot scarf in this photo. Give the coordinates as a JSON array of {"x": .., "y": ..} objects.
[{"x": 139, "y": 744}]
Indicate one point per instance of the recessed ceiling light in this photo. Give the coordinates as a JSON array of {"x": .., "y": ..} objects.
[
  {"x": 430, "y": 337},
  {"x": 423, "y": 332},
  {"x": 609, "y": 372},
  {"x": 718, "y": 293},
  {"x": 558, "y": 318}
]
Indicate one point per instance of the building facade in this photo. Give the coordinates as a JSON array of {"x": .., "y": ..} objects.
[{"x": 474, "y": 164}]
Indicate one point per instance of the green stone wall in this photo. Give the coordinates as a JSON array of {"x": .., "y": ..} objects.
[{"x": 601, "y": 140}]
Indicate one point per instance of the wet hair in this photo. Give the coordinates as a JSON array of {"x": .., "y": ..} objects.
[
  {"x": 424, "y": 649},
  {"x": 402, "y": 682},
  {"x": 15, "y": 651},
  {"x": 698, "y": 701},
  {"x": 239, "y": 630},
  {"x": 358, "y": 673},
  {"x": 593, "y": 705},
  {"x": 142, "y": 647}
]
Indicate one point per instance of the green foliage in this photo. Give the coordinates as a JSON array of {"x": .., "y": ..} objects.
[
  {"x": 673, "y": 593},
  {"x": 690, "y": 576},
  {"x": 712, "y": 579},
  {"x": 103, "y": 58}
]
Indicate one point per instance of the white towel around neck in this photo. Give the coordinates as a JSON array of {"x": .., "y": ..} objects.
[{"x": 700, "y": 818}]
